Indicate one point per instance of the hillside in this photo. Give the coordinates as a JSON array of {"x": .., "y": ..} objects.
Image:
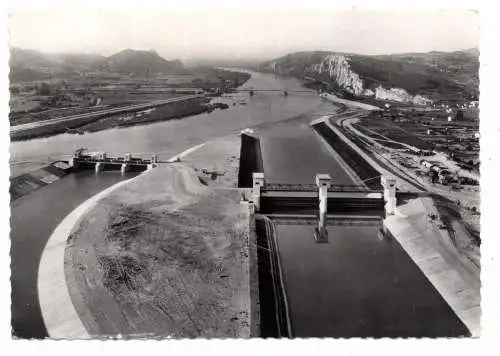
[
  {"x": 413, "y": 77},
  {"x": 31, "y": 65},
  {"x": 142, "y": 62}
]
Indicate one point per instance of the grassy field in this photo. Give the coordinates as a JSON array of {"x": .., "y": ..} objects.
[{"x": 402, "y": 132}]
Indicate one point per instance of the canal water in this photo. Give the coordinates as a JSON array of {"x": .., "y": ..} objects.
[
  {"x": 358, "y": 285},
  {"x": 33, "y": 218}
]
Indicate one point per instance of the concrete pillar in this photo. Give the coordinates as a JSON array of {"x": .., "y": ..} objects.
[
  {"x": 389, "y": 185},
  {"x": 258, "y": 183},
  {"x": 124, "y": 168},
  {"x": 323, "y": 181},
  {"x": 127, "y": 157},
  {"x": 98, "y": 167},
  {"x": 154, "y": 159}
]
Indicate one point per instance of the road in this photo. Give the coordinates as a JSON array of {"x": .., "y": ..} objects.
[{"x": 96, "y": 114}]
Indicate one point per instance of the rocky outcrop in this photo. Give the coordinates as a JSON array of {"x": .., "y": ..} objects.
[
  {"x": 401, "y": 95},
  {"x": 336, "y": 69}
]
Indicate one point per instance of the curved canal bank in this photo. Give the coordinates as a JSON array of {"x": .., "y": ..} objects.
[{"x": 33, "y": 218}]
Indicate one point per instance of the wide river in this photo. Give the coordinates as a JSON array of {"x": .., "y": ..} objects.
[{"x": 347, "y": 267}]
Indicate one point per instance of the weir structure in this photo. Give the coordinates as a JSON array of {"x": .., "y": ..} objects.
[
  {"x": 324, "y": 202},
  {"x": 99, "y": 161}
]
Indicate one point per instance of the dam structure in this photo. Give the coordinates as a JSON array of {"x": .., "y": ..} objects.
[{"x": 100, "y": 161}]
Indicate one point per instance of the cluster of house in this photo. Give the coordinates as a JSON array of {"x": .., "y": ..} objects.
[{"x": 437, "y": 171}]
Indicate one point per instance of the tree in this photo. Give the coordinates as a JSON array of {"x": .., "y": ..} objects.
[{"x": 44, "y": 89}]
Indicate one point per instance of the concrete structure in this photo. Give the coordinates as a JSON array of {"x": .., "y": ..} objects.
[
  {"x": 323, "y": 181},
  {"x": 258, "y": 183},
  {"x": 99, "y": 161},
  {"x": 389, "y": 185}
]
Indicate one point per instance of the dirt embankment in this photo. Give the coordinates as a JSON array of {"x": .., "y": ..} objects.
[
  {"x": 164, "y": 256},
  {"x": 29, "y": 182}
]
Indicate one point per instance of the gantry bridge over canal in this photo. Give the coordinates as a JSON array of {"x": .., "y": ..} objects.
[{"x": 324, "y": 202}]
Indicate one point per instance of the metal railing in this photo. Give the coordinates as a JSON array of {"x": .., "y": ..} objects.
[{"x": 289, "y": 187}]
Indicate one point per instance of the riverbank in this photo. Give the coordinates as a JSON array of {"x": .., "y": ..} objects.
[
  {"x": 177, "y": 108},
  {"x": 29, "y": 182},
  {"x": 167, "y": 255}
]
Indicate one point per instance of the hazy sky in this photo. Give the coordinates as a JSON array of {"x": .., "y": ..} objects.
[{"x": 238, "y": 33}]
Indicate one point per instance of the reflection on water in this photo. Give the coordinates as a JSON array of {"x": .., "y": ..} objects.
[{"x": 360, "y": 285}]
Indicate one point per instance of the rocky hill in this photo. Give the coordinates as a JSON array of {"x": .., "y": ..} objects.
[
  {"x": 32, "y": 65},
  {"x": 142, "y": 62},
  {"x": 414, "y": 77}
]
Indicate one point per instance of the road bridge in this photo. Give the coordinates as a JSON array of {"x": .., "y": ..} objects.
[{"x": 285, "y": 92}]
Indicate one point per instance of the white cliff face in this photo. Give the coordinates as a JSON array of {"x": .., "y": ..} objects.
[
  {"x": 395, "y": 94},
  {"x": 401, "y": 95},
  {"x": 338, "y": 68}
]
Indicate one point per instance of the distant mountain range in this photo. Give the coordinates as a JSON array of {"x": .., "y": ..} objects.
[
  {"x": 410, "y": 77},
  {"x": 30, "y": 65}
]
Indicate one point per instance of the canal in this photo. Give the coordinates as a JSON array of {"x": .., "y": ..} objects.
[
  {"x": 359, "y": 284},
  {"x": 33, "y": 218}
]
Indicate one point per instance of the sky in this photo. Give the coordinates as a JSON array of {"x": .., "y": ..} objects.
[{"x": 239, "y": 33}]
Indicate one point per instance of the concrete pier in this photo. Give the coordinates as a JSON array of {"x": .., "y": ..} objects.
[
  {"x": 258, "y": 183},
  {"x": 389, "y": 185},
  {"x": 323, "y": 181},
  {"x": 124, "y": 168}
]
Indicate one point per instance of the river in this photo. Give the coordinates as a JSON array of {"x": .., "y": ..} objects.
[{"x": 170, "y": 137}]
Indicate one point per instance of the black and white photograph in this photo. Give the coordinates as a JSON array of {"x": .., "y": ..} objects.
[{"x": 244, "y": 173}]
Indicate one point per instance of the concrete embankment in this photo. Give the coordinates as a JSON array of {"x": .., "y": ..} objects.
[
  {"x": 361, "y": 167},
  {"x": 432, "y": 250},
  {"x": 274, "y": 315},
  {"x": 349, "y": 103}
]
